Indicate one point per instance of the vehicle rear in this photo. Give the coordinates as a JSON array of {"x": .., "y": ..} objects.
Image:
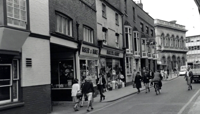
[
  {"x": 182, "y": 71},
  {"x": 196, "y": 72}
]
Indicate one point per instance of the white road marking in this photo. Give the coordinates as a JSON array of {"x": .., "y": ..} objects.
[{"x": 191, "y": 99}]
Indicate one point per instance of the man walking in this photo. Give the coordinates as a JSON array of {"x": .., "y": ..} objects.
[
  {"x": 188, "y": 77},
  {"x": 88, "y": 90},
  {"x": 100, "y": 82}
]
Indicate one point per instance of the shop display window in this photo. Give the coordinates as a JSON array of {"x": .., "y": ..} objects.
[
  {"x": 62, "y": 73},
  {"x": 89, "y": 68},
  {"x": 9, "y": 80}
]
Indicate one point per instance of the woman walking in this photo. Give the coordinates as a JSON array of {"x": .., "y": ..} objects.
[
  {"x": 137, "y": 81},
  {"x": 74, "y": 92}
]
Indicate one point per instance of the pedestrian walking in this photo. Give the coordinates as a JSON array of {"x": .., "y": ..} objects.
[
  {"x": 83, "y": 98},
  {"x": 100, "y": 84},
  {"x": 146, "y": 78},
  {"x": 137, "y": 81},
  {"x": 188, "y": 76},
  {"x": 151, "y": 76},
  {"x": 74, "y": 94},
  {"x": 88, "y": 90}
]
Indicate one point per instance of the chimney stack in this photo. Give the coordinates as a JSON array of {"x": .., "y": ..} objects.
[{"x": 139, "y": 3}]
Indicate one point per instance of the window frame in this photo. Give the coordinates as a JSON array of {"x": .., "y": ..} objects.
[
  {"x": 129, "y": 66},
  {"x": 105, "y": 37},
  {"x": 117, "y": 41},
  {"x": 68, "y": 25},
  {"x": 116, "y": 18},
  {"x": 104, "y": 10},
  {"x": 130, "y": 38},
  {"x": 90, "y": 38},
  {"x": 142, "y": 26},
  {"x": 12, "y": 80},
  {"x": 147, "y": 30},
  {"x": 20, "y": 17}
]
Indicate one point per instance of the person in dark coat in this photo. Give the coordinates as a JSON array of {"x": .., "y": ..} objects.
[
  {"x": 151, "y": 76},
  {"x": 100, "y": 84},
  {"x": 146, "y": 78},
  {"x": 88, "y": 90},
  {"x": 137, "y": 81}
]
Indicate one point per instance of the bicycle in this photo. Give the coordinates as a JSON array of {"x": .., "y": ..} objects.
[{"x": 157, "y": 88}]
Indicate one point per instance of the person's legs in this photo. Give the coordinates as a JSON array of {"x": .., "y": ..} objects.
[
  {"x": 82, "y": 101},
  {"x": 89, "y": 101}
]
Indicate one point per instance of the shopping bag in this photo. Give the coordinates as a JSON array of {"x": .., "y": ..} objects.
[
  {"x": 79, "y": 94},
  {"x": 134, "y": 85}
]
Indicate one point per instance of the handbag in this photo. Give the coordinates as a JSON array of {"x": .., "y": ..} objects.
[{"x": 79, "y": 94}]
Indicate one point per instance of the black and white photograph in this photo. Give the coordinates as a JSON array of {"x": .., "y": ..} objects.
[{"x": 99, "y": 56}]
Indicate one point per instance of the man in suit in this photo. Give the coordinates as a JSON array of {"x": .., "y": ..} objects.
[
  {"x": 100, "y": 84},
  {"x": 188, "y": 77}
]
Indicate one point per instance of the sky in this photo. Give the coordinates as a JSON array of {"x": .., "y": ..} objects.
[{"x": 185, "y": 12}]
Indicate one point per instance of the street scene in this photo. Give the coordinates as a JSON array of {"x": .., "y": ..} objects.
[{"x": 99, "y": 57}]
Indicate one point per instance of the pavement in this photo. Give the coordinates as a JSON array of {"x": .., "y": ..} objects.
[{"x": 67, "y": 107}]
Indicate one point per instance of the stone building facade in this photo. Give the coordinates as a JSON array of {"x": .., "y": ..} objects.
[{"x": 171, "y": 48}]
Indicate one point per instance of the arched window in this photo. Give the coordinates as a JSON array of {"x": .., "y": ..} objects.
[
  {"x": 173, "y": 41},
  {"x": 162, "y": 40},
  {"x": 177, "y": 43}
]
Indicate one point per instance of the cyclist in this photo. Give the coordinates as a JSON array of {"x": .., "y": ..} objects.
[
  {"x": 188, "y": 76},
  {"x": 157, "y": 78}
]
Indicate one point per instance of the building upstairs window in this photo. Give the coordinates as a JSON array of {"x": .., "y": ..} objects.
[
  {"x": 104, "y": 10},
  {"x": 125, "y": 6},
  {"x": 142, "y": 27},
  {"x": 133, "y": 14},
  {"x": 116, "y": 19},
  {"x": 147, "y": 30},
  {"x": 117, "y": 40},
  {"x": 152, "y": 33},
  {"x": 105, "y": 35},
  {"x": 136, "y": 42},
  {"x": 64, "y": 25},
  {"x": 88, "y": 34},
  {"x": 17, "y": 13}
]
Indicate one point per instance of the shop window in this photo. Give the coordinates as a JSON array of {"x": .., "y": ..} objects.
[
  {"x": 9, "y": 82},
  {"x": 64, "y": 24},
  {"x": 89, "y": 68},
  {"x": 17, "y": 13},
  {"x": 88, "y": 34},
  {"x": 128, "y": 66},
  {"x": 62, "y": 73}
]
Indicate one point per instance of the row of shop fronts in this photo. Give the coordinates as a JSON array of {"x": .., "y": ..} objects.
[{"x": 87, "y": 60}]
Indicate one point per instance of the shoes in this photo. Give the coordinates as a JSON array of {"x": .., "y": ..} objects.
[
  {"x": 88, "y": 110},
  {"x": 92, "y": 108},
  {"x": 81, "y": 105},
  {"x": 104, "y": 98},
  {"x": 149, "y": 89}
]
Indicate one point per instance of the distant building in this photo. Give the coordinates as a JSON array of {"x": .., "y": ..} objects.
[
  {"x": 193, "y": 45},
  {"x": 170, "y": 38}
]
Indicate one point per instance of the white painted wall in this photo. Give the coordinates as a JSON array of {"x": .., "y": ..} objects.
[
  {"x": 39, "y": 16},
  {"x": 39, "y": 51},
  {"x": 108, "y": 23}
]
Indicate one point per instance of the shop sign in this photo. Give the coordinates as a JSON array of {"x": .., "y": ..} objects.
[
  {"x": 87, "y": 50},
  {"x": 112, "y": 53}
]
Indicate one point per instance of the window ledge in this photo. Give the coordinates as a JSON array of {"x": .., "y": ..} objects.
[{"x": 11, "y": 105}]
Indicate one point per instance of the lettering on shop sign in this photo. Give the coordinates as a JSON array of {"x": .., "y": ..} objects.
[
  {"x": 89, "y": 51},
  {"x": 112, "y": 53}
]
